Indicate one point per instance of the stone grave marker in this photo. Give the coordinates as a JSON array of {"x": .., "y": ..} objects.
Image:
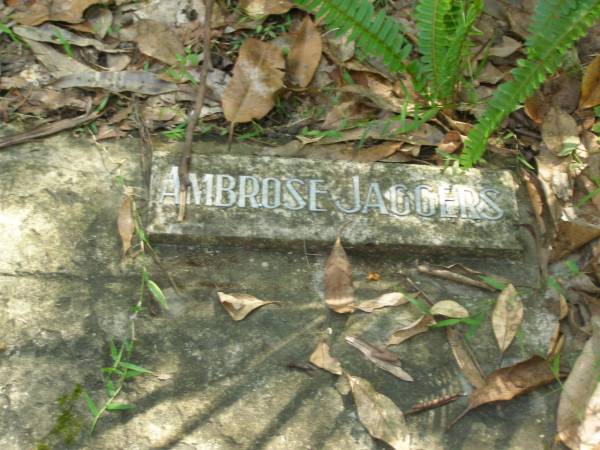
[{"x": 293, "y": 202}]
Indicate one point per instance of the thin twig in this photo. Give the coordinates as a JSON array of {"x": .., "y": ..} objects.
[
  {"x": 47, "y": 129},
  {"x": 186, "y": 155},
  {"x": 146, "y": 149}
]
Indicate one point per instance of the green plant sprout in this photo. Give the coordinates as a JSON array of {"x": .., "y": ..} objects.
[
  {"x": 180, "y": 72},
  {"x": 177, "y": 133},
  {"x": 66, "y": 45},
  {"x": 6, "y": 29},
  {"x": 122, "y": 368}
]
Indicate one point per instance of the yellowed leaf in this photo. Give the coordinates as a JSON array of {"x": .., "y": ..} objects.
[
  {"x": 257, "y": 76},
  {"x": 158, "y": 41},
  {"x": 381, "y": 357},
  {"x": 240, "y": 305},
  {"x": 339, "y": 291},
  {"x": 580, "y": 392},
  {"x": 507, "y": 317},
  {"x": 384, "y": 300},
  {"x": 305, "y": 53},
  {"x": 39, "y": 11},
  {"x": 590, "y": 85},
  {"x": 125, "y": 223},
  {"x": 322, "y": 358},
  {"x": 380, "y": 416},
  {"x": 559, "y": 131},
  {"x": 260, "y": 8},
  {"x": 449, "y": 308},
  {"x": 419, "y": 326}
]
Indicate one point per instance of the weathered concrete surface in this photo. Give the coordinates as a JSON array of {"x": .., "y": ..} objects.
[
  {"x": 290, "y": 202},
  {"x": 65, "y": 291}
]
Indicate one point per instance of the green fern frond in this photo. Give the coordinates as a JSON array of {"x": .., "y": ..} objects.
[
  {"x": 444, "y": 27},
  {"x": 380, "y": 36},
  {"x": 430, "y": 17},
  {"x": 556, "y": 26}
]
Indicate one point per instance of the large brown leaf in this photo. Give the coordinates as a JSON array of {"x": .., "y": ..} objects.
[
  {"x": 590, "y": 85},
  {"x": 257, "y": 76},
  {"x": 158, "y": 41},
  {"x": 578, "y": 405},
  {"x": 40, "y": 11},
  {"x": 305, "y": 53},
  {"x": 339, "y": 290},
  {"x": 510, "y": 382},
  {"x": 559, "y": 131},
  {"x": 507, "y": 317},
  {"x": 380, "y": 416},
  {"x": 383, "y": 301}
]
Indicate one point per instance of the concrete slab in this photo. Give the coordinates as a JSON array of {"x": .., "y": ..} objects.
[
  {"x": 66, "y": 291},
  {"x": 290, "y": 202}
]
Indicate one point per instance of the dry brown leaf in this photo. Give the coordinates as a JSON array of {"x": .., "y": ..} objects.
[
  {"x": 507, "y": 317},
  {"x": 579, "y": 394},
  {"x": 510, "y": 382},
  {"x": 570, "y": 237},
  {"x": 322, "y": 358},
  {"x": 449, "y": 308},
  {"x": 452, "y": 141},
  {"x": 563, "y": 307},
  {"x": 505, "y": 48},
  {"x": 240, "y": 305},
  {"x": 419, "y": 326},
  {"x": 380, "y": 416},
  {"x": 305, "y": 54},
  {"x": 381, "y": 357},
  {"x": 559, "y": 131},
  {"x": 159, "y": 42},
  {"x": 57, "y": 63},
  {"x": 100, "y": 20},
  {"x": 339, "y": 290},
  {"x": 40, "y": 11},
  {"x": 260, "y": 8},
  {"x": 556, "y": 343},
  {"x": 467, "y": 365},
  {"x": 373, "y": 276},
  {"x": 55, "y": 35},
  {"x": 125, "y": 223},
  {"x": 257, "y": 76},
  {"x": 384, "y": 300},
  {"x": 128, "y": 80},
  {"x": 590, "y": 85}
]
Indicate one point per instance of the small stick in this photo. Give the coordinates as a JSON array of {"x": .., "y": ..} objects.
[
  {"x": 186, "y": 155},
  {"x": 435, "y": 403},
  {"x": 452, "y": 276}
]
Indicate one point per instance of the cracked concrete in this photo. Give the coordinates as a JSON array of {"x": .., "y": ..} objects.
[{"x": 65, "y": 291}]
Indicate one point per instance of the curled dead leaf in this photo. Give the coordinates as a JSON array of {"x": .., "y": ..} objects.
[
  {"x": 384, "y": 300},
  {"x": 381, "y": 357},
  {"x": 590, "y": 85},
  {"x": 421, "y": 325},
  {"x": 507, "y": 317},
  {"x": 127, "y": 80},
  {"x": 321, "y": 358},
  {"x": 380, "y": 416},
  {"x": 238, "y": 306},
  {"x": 449, "y": 308},
  {"x": 305, "y": 53},
  {"x": 339, "y": 290},
  {"x": 466, "y": 363},
  {"x": 125, "y": 223},
  {"x": 257, "y": 76}
]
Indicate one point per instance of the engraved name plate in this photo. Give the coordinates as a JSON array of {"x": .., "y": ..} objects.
[{"x": 263, "y": 201}]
